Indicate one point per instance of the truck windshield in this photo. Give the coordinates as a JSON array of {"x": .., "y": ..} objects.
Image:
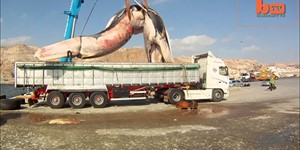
[{"x": 223, "y": 71}]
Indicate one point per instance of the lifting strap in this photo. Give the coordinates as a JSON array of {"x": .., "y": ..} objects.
[{"x": 88, "y": 17}]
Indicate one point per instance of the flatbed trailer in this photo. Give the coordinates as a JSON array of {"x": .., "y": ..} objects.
[{"x": 101, "y": 83}]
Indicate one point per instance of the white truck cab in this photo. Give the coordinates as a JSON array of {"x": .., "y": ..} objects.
[{"x": 214, "y": 78}]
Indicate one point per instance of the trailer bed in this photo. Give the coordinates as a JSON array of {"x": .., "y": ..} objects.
[{"x": 99, "y": 74}]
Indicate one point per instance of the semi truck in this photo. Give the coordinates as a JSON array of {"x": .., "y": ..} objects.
[{"x": 206, "y": 77}]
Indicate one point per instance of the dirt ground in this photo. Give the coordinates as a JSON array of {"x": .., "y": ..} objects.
[{"x": 251, "y": 118}]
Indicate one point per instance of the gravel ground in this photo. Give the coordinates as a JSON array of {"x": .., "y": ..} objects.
[{"x": 251, "y": 118}]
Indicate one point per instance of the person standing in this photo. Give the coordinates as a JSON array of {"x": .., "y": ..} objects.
[{"x": 272, "y": 84}]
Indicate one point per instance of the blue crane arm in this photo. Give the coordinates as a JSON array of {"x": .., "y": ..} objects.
[
  {"x": 73, "y": 15},
  {"x": 71, "y": 24}
]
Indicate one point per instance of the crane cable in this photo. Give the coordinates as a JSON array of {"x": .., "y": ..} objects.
[{"x": 88, "y": 17}]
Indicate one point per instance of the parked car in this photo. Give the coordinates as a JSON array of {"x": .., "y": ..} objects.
[
  {"x": 245, "y": 77},
  {"x": 265, "y": 82},
  {"x": 238, "y": 83}
]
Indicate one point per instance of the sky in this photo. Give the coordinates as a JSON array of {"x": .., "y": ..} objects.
[{"x": 228, "y": 28}]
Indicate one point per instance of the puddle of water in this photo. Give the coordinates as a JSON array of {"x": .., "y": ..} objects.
[
  {"x": 4, "y": 117},
  {"x": 37, "y": 118},
  {"x": 8, "y": 116},
  {"x": 214, "y": 112},
  {"x": 207, "y": 111}
]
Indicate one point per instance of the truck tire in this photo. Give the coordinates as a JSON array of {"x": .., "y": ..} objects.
[
  {"x": 77, "y": 100},
  {"x": 22, "y": 100},
  {"x": 175, "y": 96},
  {"x": 217, "y": 95},
  {"x": 55, "y": 100},
  {"x": 159, "y": 95},
  {"x": 10, "y": 104},
  {"x": 98, "y": 99},
  {"x": 2, "y": 96}
]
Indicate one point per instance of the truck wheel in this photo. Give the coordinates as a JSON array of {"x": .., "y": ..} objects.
[
  {"x": 10, "y": 104},
  {"x": 22, "y": 100},
  {"x": 55, "y": 100},
  {"x": 217, "y": 95},
  {"x": 2, "y": 96},
  {"x": 159, "y": 97},
  {"x": 98, "y": 99},
  {"x": 175, "y": 96},
  {"x": 77, "y": 100}
]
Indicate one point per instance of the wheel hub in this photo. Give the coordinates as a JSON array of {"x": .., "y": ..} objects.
[
  {"x": 55, "y": 100},
  {"x": 218, "y": 95},
  {"x": 99, "y": 100},
  {"x": 77, "y": 100},
  {"x": 176, "y": 97}
]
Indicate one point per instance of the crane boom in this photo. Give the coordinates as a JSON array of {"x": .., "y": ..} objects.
[
  {"x": 71, "y": 23},
  {"x": 73, "y": 15}
]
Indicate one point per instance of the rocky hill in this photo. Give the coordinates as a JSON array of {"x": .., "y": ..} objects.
[
  {"x": 11, "y": 54},
  {"x": 23, "y": 53}
]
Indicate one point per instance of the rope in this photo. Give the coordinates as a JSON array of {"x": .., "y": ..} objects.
[
  {"x": 107, "y": 68},
  {"x": 87, "y": 20},
  {"x": 185, "y": 73}
]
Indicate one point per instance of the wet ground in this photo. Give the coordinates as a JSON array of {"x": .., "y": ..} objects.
[{"x": 251, "y": 118}]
